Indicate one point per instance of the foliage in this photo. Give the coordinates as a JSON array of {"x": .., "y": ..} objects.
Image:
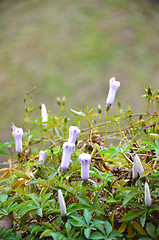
[{"x": 110, "y": 205}]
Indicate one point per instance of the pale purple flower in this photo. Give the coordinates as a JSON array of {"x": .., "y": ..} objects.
[
  {"x": 74, "y": 132},
  {"x": 148, "y": 200},
  {"x": 42, "y": 157},
  {"x": 85, "y": 160},
  {"x": 137, "y": 167},
  {"x": 113, "y": 87},
  {"x": 44, "y": 114},
  {"x": 67, "y": 151},
  {"x": 62, "y": 203},
  {"x": 17, "y": 134}
]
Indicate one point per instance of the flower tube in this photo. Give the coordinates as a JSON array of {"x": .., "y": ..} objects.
[
  {"x": 17, "y": 134},
  {"x": 85, "y": 160},
  {"x": 148, "y": 200},
  {"x": 137, "y": 167},
  {"x": 62, "y": 203},
  {"x": 42, "y": 157},
  {"x": 113, "y": 87},
  {"x": 67, "y": 151},
  {"x": 44, "y": 114},
  {"x": 74, "y": 132}
]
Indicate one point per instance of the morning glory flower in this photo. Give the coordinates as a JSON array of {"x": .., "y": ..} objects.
[
  {"x": 42, "y": 157},
  {"x": 148, "y": 200},
  {"x": 67, "y": 151},
  {"x": 85, "y": 160},
  {"x": 74, "y": 132},
  {"x": 62, "y": 203},
  {"x": 113, "y": 87},
  {"x": 17, "y": 134},
  {"x": 137, "y": 167},
  {"x": 44, "y": 114}
]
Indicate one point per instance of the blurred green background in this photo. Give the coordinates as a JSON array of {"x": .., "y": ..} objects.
[{"x": 72, "y": 48}]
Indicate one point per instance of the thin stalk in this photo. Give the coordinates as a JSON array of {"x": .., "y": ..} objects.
[
  {"x": 106, "y": 129},
  {"x": 84, "y": 187},
  {"x": 120, "y": 133}
]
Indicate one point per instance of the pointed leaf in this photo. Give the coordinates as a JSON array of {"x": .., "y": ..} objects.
[
  {"x": 131, "y": 215},
  {"x": 87, "y": 216},
  {"x": 108, "y": 228}
]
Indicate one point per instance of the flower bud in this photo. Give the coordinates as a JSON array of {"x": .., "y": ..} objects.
[
  {"x": 148, "y": 200},
  {"x": 113, "y": 87},
  {"x": 137, "y": 167},
  {"x": 62, "y": 203},
  {"x": 74, "y": 132},
  {"x": 85, "y": 160},
  {"x": 42, "y": 157},
  {"x": 67, "y": 151},
  {"x": 44, "y": 114},
  {"x": 58, "y": 101},
  {"x": 63, "y": 101},
  {"x": 99, "y": 109},
  {"x": 17, "y": 134}
]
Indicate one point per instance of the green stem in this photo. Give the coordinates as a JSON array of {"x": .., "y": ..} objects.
[
  {"x": 148, "y": 106},
  {"x": 84, "y": 187},
  {"x": 106, "y": 130},
  {"x": 120, "y": 133}
]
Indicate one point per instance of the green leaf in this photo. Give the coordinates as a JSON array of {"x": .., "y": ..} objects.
[
  {"x": 39, "y": 212},
  {"x": 68, "y": 228},
  {"x": 155, "y": 208},
  {"x": 108, "y": 228},
  {"x": 45, "y": 198},
  {"x": 150, "y": 228},
  {"x": 3, "y": 152},
  {"x": 143, "y": 219},
  {"x": 21, "y": 174},
  {"x": 85, "y": 201},
  {"x": 75, "y": 207},
  {"x": 154, "y": 176},
  {"x": 75, "y": 223},
  {"x": 87, "y": 232},
  {"x": 35, "y": 199},
  {"x": 26, "y": 209},
  {"x": 129, "y": 196},
  {"x": 97, "y": 235},
  {"x": 131, "y": 215},
  {"x": 3, "y": 197},
  {"x": 87, "y": 215},
  {"x": 108, "y": 177},
  {"x": 46, "y": 232},
  {"x": 81, "y": 114},
  {"x": 35, "y": 229},
  {"x": 79, "y": 218}
]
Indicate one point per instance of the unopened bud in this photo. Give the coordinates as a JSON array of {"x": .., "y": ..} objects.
[
  {"x": 99, "y": 109},
  {"x": 63, "y": 101},
  {"x": 58, "y": 101}
]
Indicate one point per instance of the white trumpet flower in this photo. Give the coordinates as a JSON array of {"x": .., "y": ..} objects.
[
  {"x": 85, "y": 160},
  {"x": 66, "y": 156},
  {"x": 62, "y": 203},
  {"x": 74, "y": 132},
  {"x": 148, "y": 200},
  {"x": 18, "y": 134},
  {"x": 42, "y": 157},
  {"x": 44, "y": 114},
  {"x": 113, "y": 87},
  {"x": 137, "y": 167}
]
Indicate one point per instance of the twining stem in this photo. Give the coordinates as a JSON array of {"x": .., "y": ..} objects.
[
  {"x": 84, "y": 187},
  {"x": 120, "y": 132},
  {"x": 19, "y": 160},
  {"x": 106, "y": 127},
  {"x": 148, "y": 103}
]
